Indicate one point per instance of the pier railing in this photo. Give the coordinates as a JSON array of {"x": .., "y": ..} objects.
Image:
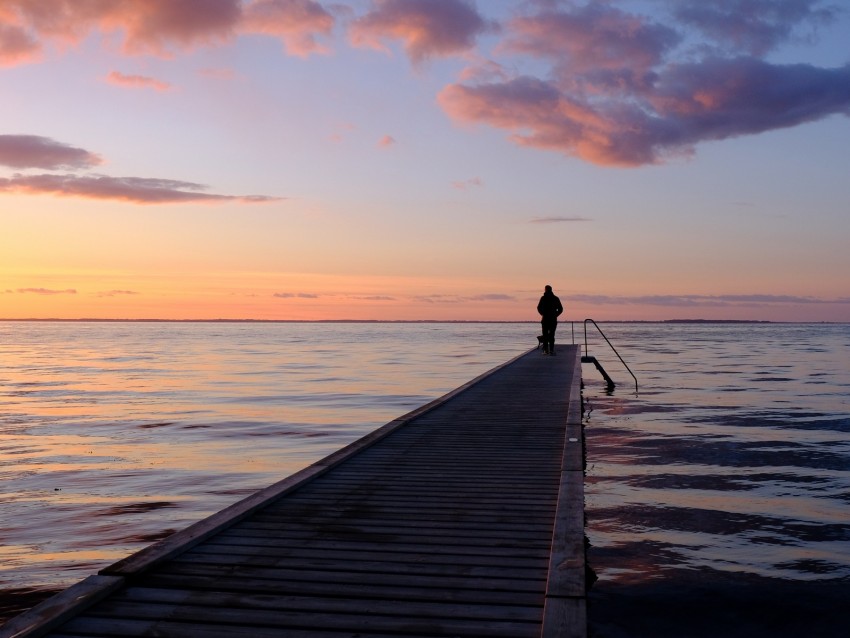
[{"x": 586, "y": 358}]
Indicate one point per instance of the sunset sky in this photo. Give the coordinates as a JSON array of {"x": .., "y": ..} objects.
[{"x": 424, "y": 159}]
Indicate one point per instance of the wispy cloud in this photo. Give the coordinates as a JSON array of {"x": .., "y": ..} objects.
[
  {"x": 117, "y": 78},
  {"x": 456, "y": 299},
  {"x": 46, "y": 291},
  {"x": 374, "y": 298},
  {"x": 700, "y": 301},
  {"x": 341, "y": 130},
  {"x": 116, "y": 293},
  {"x": 426, "y": 28},
  {"x": 138, "y": 190},
  {"x": 495, "y": 296},
  {"x": 475, "y": 182},
  {"x": 34, "y": 151},
  {"x": 387, "y": 141},
  {"x": 557, "y": 220},
  {"x": 295, "y": 295}
]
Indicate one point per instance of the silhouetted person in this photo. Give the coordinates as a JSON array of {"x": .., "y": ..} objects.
[{"x": 549, "y": 308}]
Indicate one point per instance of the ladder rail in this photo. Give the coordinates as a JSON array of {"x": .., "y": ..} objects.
[{"x": 608, "y": 341}]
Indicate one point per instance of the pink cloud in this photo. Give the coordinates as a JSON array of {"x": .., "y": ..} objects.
[
  {"x": 540, "y": 116},
  {"x": 387, "y": 141},
  {"x": 475, "y": 182},
  {"x": 298, "y": 23},
  {"x": 145, "y": 26},
  {"x": 617, "y": 97},
  {"x": 592, "y": 38},
  {"x": 457, "y": 299},
  {"x": 158, "y": 27},
  {"x": 136, "y": 81},
  {"x": 16, "y": 45},
  {"x": 155, "y": 26},
  {"x": 137, "y": 190},
  {"x": 33, "y": 151},
  {"x": 427, "y": 28}
]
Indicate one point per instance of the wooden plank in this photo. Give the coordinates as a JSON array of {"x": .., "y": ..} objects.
[
  {"x": 564, "y": 618},
  {"x": 365, "y": 566},
  {"x": 188, "y": 578},
  {"x": 339, "y": 580},
  {"x": 524, "y": 550},
  {"x": 381, "y": 552},
  {"x": 423, "y": 541},
  {"x": 567, "y": 562},
  {"x": 422, "y": 609},
  {"x": 353, "y": 623}
]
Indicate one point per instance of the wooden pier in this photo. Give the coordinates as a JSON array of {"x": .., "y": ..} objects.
[{"x": 462, "y": 518}]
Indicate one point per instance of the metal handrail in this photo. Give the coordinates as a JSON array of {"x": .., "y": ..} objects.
[{"x": 612, "y": 348}]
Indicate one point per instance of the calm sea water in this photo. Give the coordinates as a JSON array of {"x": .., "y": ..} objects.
[{"x": 716, "y": 497}]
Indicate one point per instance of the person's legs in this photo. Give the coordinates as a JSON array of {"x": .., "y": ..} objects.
[
  {"x": 552, "y": 328},
  {"x": 548, "y": 336}
]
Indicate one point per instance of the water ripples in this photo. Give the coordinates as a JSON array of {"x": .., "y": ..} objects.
[{"x": 730, "y": 473}]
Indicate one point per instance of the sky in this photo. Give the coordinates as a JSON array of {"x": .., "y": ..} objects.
[{"x": 424, "y": 159}]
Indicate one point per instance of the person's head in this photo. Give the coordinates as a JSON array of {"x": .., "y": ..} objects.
[{"x": 548, "y": 289}]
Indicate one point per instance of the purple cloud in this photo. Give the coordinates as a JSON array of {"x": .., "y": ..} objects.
[
  {"x": 701, "y": 301},
  {"x": 33, "y": 151},
  {"x": 591, "y": 39},
  {"x": 138, "y": 190},
  {"x": 557, "y": 220},
  {"x": 754, "y": 26},
  {"x": 295, "y": 295},
  {"x": 46, "y": 291},
  {"x": 617, "y": 95},
  {"x": 427, "y": 28}
]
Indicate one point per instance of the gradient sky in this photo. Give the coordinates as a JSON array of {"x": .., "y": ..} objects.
[{"x": 424, "y": 159}]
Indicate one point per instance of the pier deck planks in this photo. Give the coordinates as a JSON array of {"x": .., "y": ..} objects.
[{"x": 464, "y": 518}]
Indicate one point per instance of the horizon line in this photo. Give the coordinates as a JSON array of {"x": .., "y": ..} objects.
[{"x": 497, "y": 321}]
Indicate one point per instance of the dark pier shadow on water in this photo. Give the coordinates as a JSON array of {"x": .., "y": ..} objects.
[
  {"x": 710, "y": 604},
  {"x": 17, "y": 601}
]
